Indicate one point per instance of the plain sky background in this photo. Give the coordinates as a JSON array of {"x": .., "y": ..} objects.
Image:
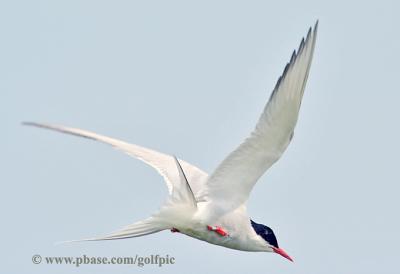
[{"x": 191, "y": 78}]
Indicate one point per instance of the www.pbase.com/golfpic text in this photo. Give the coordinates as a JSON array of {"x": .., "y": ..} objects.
[{"x": 136, "y": 260}]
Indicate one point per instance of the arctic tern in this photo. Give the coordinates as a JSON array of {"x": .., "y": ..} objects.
[{"x": 212, "y": 207}]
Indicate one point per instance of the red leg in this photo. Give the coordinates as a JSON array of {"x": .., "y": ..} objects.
[{"x": 218, "y": 230}]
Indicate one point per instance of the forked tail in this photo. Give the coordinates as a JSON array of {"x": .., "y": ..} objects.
[{"x": 175, "y": 213}]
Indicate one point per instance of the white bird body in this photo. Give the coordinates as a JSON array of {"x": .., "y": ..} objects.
[
  {"x": 198, "y": 203},
  {"x": 237, "y": 222}
]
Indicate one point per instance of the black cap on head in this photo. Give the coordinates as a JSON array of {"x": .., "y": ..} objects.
[{"x": 265, "y": 232}]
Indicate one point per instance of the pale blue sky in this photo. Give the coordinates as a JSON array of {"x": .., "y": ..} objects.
[{"x": 191, "y": 78}]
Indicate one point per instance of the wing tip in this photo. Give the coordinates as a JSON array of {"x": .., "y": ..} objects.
[
  {"x": 315, "y": 31},
  {"x": 28, "y": 123},
  {"x": 39, "y": 125},
  {"x": 312, "y": 32}
]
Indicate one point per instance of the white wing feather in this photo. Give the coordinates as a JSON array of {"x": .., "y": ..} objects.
[
  {"x": 163, "y": 163},
  {"x": 231, "y": 183}
]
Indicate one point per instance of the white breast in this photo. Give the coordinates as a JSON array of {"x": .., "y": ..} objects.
[{"x": 236, "y": 224}]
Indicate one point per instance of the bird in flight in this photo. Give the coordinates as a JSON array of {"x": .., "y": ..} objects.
[{"x": 212, "y": 207}]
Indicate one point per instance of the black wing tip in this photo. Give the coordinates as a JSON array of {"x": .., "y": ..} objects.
[
  {"x": 33, "y": 124},
  {"x": 315, "y": 28},
  {"x": 39, "y": 125},
  {"x": 312, "y": 31},
  {"x": 26, "y": 123},
  {"x": 295, "y": 54},
  {"x": 302, "y": 43},
  {"x": 286, "y": 68},
  {"x": 59, "y": 129},
  {"x": 309, "y": 33}
]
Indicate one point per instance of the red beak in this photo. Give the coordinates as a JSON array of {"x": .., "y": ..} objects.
[{"x": 282, "y": 252}]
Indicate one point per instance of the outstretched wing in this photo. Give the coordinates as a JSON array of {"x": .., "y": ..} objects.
[
  {"x": 163, "y": 163},
  {"x": 230, "y": 184}
]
